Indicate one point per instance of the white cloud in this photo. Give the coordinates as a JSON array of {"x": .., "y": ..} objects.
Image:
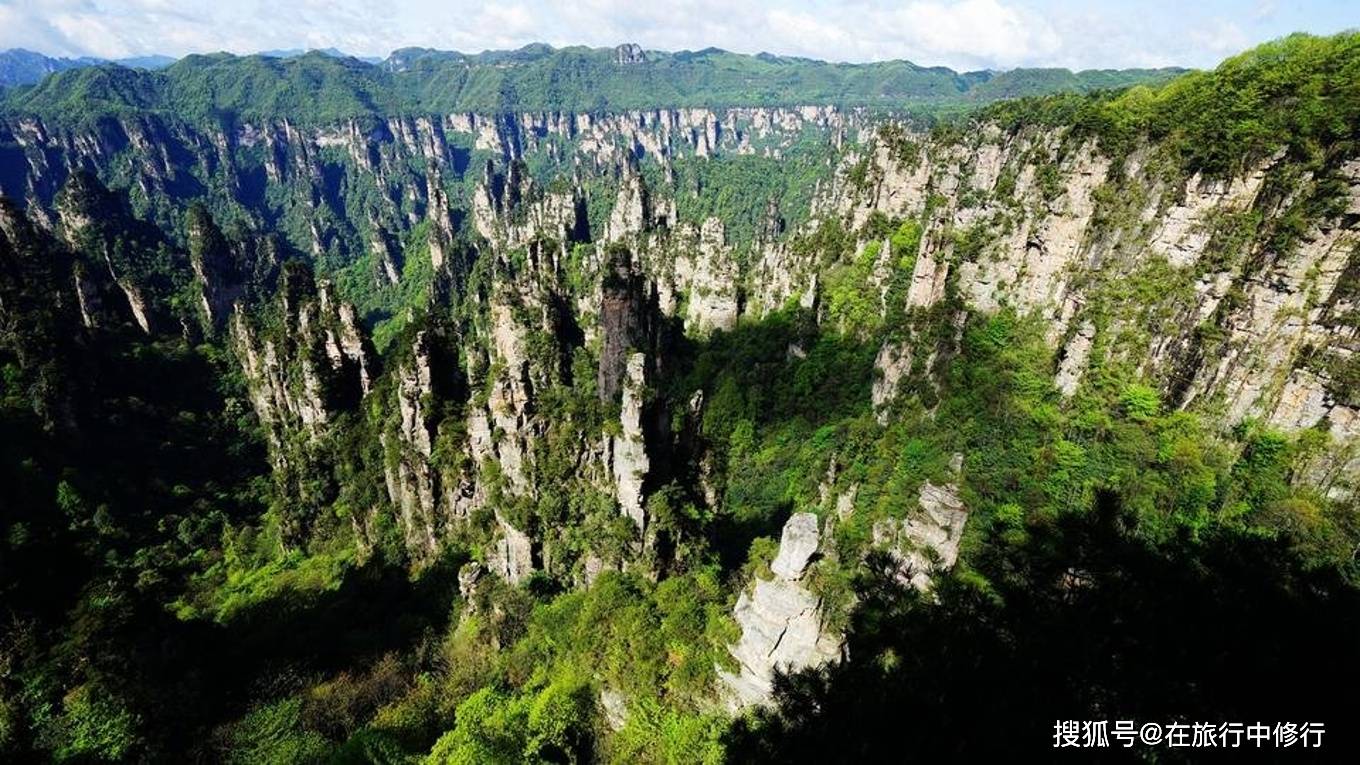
[
  {"x": 982, "y": 31},
  {"x": 964, "y": 34},
  {"x": 1223, "y": 37},
  {"x": 804, "y": 33}
]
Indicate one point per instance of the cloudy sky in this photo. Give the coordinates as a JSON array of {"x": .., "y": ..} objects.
[{"x": 964, "y": 34}]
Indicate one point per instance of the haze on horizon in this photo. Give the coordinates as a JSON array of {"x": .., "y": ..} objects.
[{"x": 961, "y": 34}]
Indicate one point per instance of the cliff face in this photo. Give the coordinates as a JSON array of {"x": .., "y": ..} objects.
[
  {"x": 1124, "y": 261},
  {"x": 689, "y": 399},
  {"x": 1188, "y": 280},
  {"x": 532, "y": 404},
  {"x": 165, "y": 160},
  {"x": 413, "y": 484},
  {"x": 114, "y": 279},
  {"x": 781, "y": 620}
]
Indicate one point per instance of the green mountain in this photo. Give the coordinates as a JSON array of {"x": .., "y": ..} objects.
[
  {"x": 24, "y": 67},
  {"x": 335, "y": 430},
  {"x": 321, "y": 86}
]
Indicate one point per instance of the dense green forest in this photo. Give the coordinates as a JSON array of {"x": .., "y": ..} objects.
[
  {"x": 191, "y": 571},
  {"x": 318, "y": 88}
]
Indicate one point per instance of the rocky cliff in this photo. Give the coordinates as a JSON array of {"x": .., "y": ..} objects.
[
  {"x": 545, "y": 287},
  {"x": 1190, "y": 280},
  {"x": 1124, "y": 260},
  {"x": 780, "y": 620}
]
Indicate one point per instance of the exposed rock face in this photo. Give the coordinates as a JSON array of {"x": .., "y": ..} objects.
[
  {"x": 927, "y": 541},
  {"x": 512, "y": 558},
  {"x": 512, "y": 211},
  {"x": 624, "y": 323},
  {"x": 928, "y": 278},
  {"x": 468, "y": 578},
  {"x": 797, "y": 545},
  {"x": 96, "y": 226},
  {"x": 270, "y": 395},
  {"x": 1033, "y": 271},
  {"x": 221, "y": 277},
  {"x": 593, "y": 566},
  {"x": 709, "y": 275},
  {"x": 891, "y": 364},
  {"x": 1283, "y": 310},
  {"x": 87, "y": 297},
  {"x": 141, "y": 312},
  {"x": 318, "y": 364},
  {"x": 301, "y": 371},
  {"x": 781, "y": 622},
  {"x": 629, "y": 53},
  {"x": 845, "y": 502},
  {"x": 1186, "y": 227},
  {"x": 615, "y": 708},
  {"x": 385, "y": 253},
  {"x": 1037, "y": 199},
  {"x": 1051, "y": 227},
  {"x": 397, "y": 168},
  {"x": 1044, "y": 258},
  {"x": 507, "y": 412},
  {"x": 1074, "y": 359},
  {"x": 630, "y": 462},
  {"x": 441, "y": 220},
  {"x": 632, "y": 209},
  {"x": 411, "y": 481}
]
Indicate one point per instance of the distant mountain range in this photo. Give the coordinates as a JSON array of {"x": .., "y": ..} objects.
[
  {"x": 19, "y": 66},
  {"x": 327, "y": 84},
  {"x": 25, "y": 67},
  {"x": 332, "y": 52}
]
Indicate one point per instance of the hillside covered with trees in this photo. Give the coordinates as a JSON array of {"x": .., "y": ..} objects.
[
  {"x": 325, "y": 86},
  {"x": 444, "y": 411}
]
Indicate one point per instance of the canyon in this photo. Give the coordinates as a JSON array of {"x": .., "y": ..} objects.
[{"x": 779, "y": 346}]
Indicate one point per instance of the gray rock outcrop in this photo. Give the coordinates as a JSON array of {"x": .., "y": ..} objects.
[
  {"x": 629, "y": 53},
  {"x": 926, "y": 541},
  {"x": 781, "y": 621},
  {"x": 630, "y": 462},
  {"x": 891, "y": 365},
  {"x": 797, "y": 544},
  {"x": 512, "y": 557}
]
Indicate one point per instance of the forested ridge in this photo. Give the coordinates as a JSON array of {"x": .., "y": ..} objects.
[{"x": 318, "y": 87}]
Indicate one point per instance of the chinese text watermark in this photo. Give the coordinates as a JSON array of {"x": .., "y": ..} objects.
[{"x": 1085, "y": 734}]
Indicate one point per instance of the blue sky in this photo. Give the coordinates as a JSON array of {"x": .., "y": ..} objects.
[{"x": 963, "y": 34}]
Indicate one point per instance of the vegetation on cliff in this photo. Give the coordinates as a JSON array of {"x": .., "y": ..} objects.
[
  {"x": 216, "y": 533},
  {"x": 1297, "y": 94}
]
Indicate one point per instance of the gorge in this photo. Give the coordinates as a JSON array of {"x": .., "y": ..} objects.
[{"x": 673, "y": 433}]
